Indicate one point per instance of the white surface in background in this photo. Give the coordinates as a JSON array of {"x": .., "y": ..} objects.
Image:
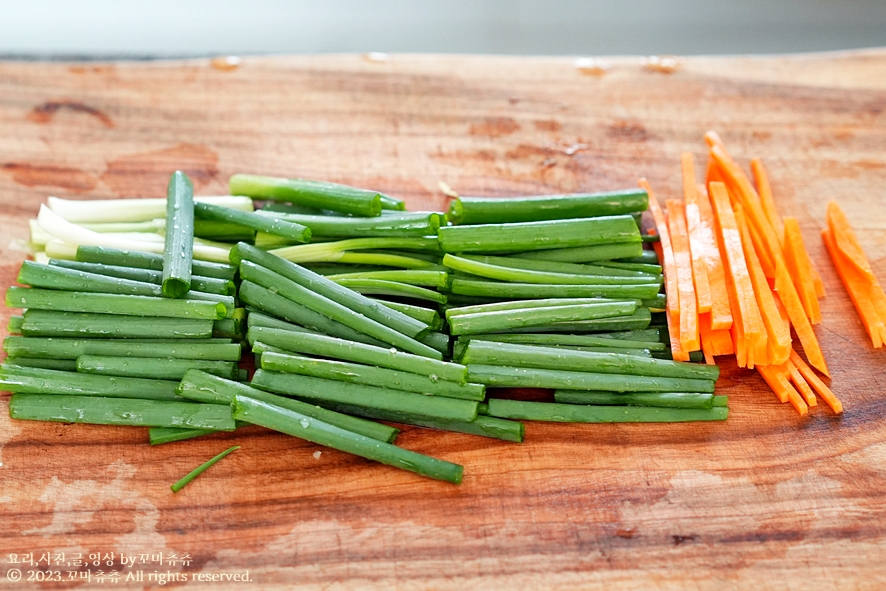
[{"x": 566, "y": 27}]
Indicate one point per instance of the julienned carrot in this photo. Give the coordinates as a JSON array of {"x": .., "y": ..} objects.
[
  {"x": 801, "y": 384},
  {"x": 792, "y": 305},
  {"x": 749, "y": 199},
  {"x": 858, "y": 291},
  {"x": 829, "y": 397},
  {"x": 762, "y": 348},
  {"x": 778, "y": 330},
  {"x": 706, "y": 339},
  {"x": 777, "y": 378},
  {"x": 696, "y": 230},
  {"x": 752, "y": 329},
  {"x": 799, "y": 266},
  {"x": 683, "y": 260},
  {"x": 721, "y": 313},
  {"x": 847, "y": 242},
  {"x": 677, "y": 352},
  {"x": 666, "y": 256},
  {"x": 764, "y": 189},
  {"x": 722, "y": 342},
  {"x": 760, "y": 248}
]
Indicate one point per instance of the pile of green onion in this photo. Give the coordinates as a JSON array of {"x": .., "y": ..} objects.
[{"x": 357, "y": 311}]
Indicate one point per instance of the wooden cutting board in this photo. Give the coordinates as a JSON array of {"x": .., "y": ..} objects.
[{"x": 766, "y": 500}]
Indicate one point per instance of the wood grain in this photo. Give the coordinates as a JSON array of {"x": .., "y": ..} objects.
[{"x": 766, "y": 500}]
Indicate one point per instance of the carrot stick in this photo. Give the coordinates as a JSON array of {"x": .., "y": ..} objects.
[
  {"x": 721, "y": 313},
  {"x": 760, "y": 248},
  {"x": 764, "y": 189},
  {"x": 683, "y": 260},
  {"x": 706, "y": 338},
  {"x": 749, "y": 313},
  {"x": 802, "y": 385},
  {"x": 847, "y": 242},
  {"x": 677, "y": 352},
  {"x": 749, "y": 199},
  {"x": 776, "y": 376},
  {"x": 666, "y": 256},
  {"x": 813, "y": 380},
  {"x": 778, "y": 330},
  {"x": 696, "y": 237},
  {"x": 799, "y": 266},
  {"x": 857, "y": 287},
  {"x": 788, "y": 295},
  {"x": 722, "y": 342}
]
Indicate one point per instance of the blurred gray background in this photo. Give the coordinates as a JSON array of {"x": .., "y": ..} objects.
[{"x": 167, "y": 28}]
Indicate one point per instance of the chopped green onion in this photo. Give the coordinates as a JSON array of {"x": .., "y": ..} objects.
[
  {"x": 391, "y": 288},
  {"x": 151, "y": 367},
  {"x": 49, "y": 348},
  {"x": 148, "y": 260},
  {"x": 105, "y": 303},
  {"x": 506, "y": 320},
  {"x": 316, "y": 194},
  {"x": 660, "y": 399},
  {"x": 574, "y": 413},
  {"x": 272, "y": 224},
  {"x": 198, "y": 283},
  {"x": 178, "y": 251},
  {"x": 200, "y": 469},
  {"x": 474, "y": 287},
  {"x": 32, "y": 380},
  {"x": 45, "y": 323},
  {"x": 586, "y": 254}
]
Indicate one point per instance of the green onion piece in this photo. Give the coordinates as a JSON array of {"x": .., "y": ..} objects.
[
  {"x": 648, "y": 257},
  {"x": 15, "y": 324},
  {"x": 316, "y": 194},
  {"x": 486, "y": 267},
  {"x": 425, "y": 278},
  {"x": 574, "y": 413},
  {"x": 259, "y": 319},
  {"x": 330, "y": 309},
  {"x": 516, "y": 355},
  {"x": 474, "y": 287},
  {"x": 161, "y": 435},
  {"x": 658, "y": 399},
  {"x": 495, "y": 376},
  {"x": 584, "y": 340},
  {"x": 391, "y": 288},
  {"x": 640, "y": 319},
  {"x": 61, "y": 348},
  {"x": 200, "y": 469},
  {"x": 525, "y": 304},
  {"x": 106, "y": 303},
  {"x": 198, "y": 283},
  {"x": 178, "y": 250},
  {"x": 318, "y": 389},
  {"x": 40, "y": 362},
  {"x": 506, "y": 320},
  {"x": 405, "y": 224},
  {"x": 99, "y": 410},
  {"x": 330, "y": 289},
  {"x": 203, "y": 387},
  {"x": 649, "y": 269},
  {"x": 280, "y": 207},
  {"x": 221, "y": 231},
  {"x": 324, "y": 346},
  {"x": 304, "y": 427},
  {"x": 32, "y": 380},
  {"x": 484, "y": 210},
  {"x": 720, "y": 401},
  {"x": 354, "y": 373},
  {"x": 436, "y": 340},
  {"x": 275, "y": 304},
  {"x": 496, "y": 238},
  {"x": 147, "y": 260},
  {"x": 424, "y": 315},
  {"x": 640, "y": 335},
  {"x": 272, "y": 224},
  {"x": 586, "y": 254},
  {"x": 597, "y": 269},
  {"x": 44, "y": 323},
  {"x": 151, "y": 367},
  {"x": 332, "y": 252}
]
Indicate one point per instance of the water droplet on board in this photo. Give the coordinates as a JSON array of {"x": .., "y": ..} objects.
[{"x": 316, "y": 455}]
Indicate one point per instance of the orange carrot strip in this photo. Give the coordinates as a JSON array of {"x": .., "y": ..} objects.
[
  {"x": 760, "y": 248},
  {"x": 788, "y": 295},
  {"x": 764, "y": 189},
  {"x": 706, "y": 338},
  {"x": 712, "y": 138},
  {"x": 813, "y": 380},
  {"x": 773, "y": 375},
  {"x": 752, "y": 322},
  {"x": 778, "y": 330},
  {"x": 847, "y": 242},
  {"x": 668, "y": 263},
  {"x": 696, "y": 237},
  {"x": 683, "y": 259},
  {"x": 721, "y": 313},
  {"x": 802, "y": 386},
  {"x": 677, "y": 352},
  {"x": 749, "y": 199},
  {"x": 722, "y": 341},
  {"x": 795, "y": 399},
  {"x": 799, "y": 267},
  {"x": 858, "y": 291}
]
